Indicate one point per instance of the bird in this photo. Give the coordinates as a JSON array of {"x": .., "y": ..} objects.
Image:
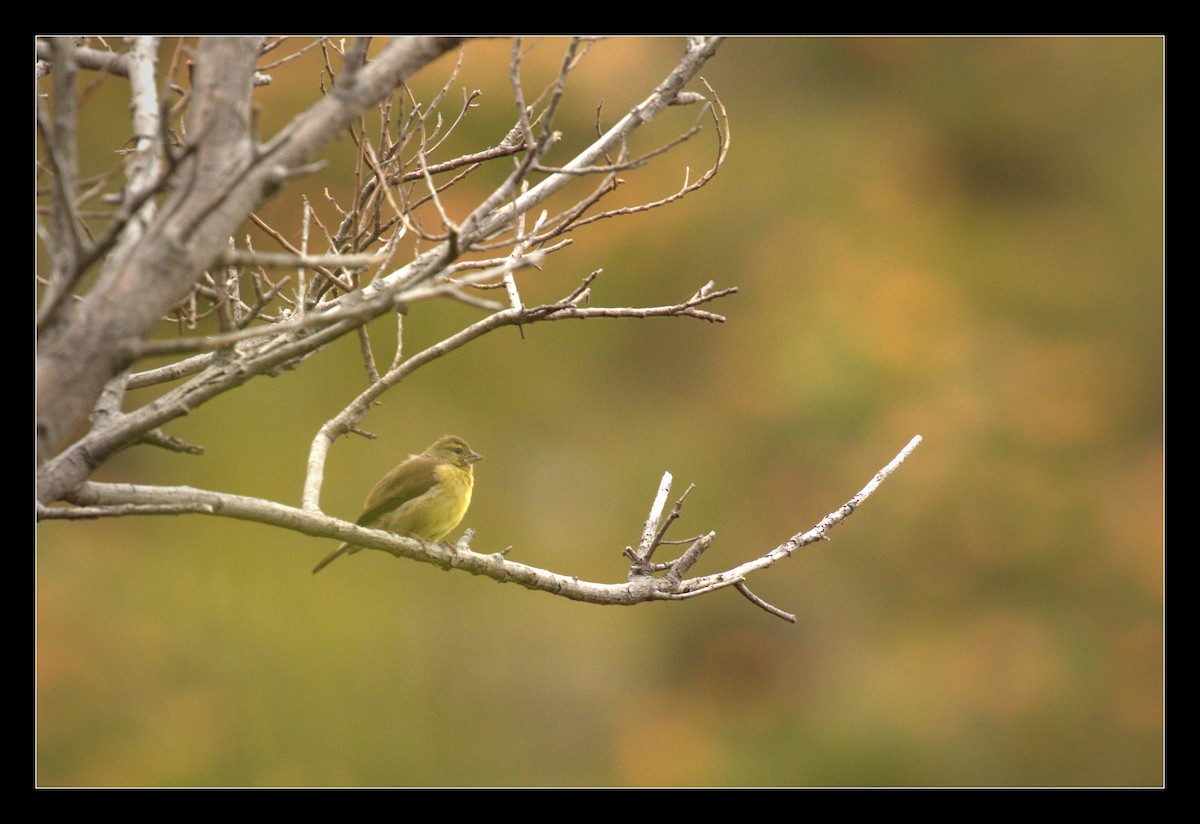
[{"x": 424, "y": 497}]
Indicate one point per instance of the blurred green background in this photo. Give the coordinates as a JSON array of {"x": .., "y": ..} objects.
[{"x": 959, "y": 238}]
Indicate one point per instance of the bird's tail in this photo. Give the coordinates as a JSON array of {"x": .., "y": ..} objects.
[{"x": 331, "y": 557}]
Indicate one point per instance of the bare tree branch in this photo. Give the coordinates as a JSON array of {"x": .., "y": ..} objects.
[
  {"x": 100, "y": 499},
  {"x": 817, "y": 533},
  {"x": 144, "y": 164},
  {"x": 759, "y": 602},
  {"x": 321, "y": 317},
  {"x": 171, "y": 372},
  {"x": 239, "y": 257},
  {"x": 217, "y": 188},
  {"x": 195, "y": 171},
  {"x": 86, "y": 58},
  {"x": 58, "y": 135}
]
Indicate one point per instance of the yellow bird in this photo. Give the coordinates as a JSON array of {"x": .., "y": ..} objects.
[{"x": 425, "y": 496}]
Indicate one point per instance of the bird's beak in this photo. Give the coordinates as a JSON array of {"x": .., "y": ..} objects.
[{"x": 473, "y": 457}]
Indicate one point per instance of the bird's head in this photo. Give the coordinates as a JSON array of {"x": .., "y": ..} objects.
[{"x": 453, "y": 450}]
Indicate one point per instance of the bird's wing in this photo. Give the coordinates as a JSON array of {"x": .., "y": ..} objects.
[{"x": 409, "y": 480}]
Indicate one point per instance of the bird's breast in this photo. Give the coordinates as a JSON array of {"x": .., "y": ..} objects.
[{"x": 438, "y": 510}]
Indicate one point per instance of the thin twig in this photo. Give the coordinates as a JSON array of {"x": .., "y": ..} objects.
[
  {"x": 296, "y": 260},
  {"x": 282, "y": 241},
  {"x": 292, "y": 56},
  {"x": 754, "y": 599},
  {"x": 662, "y": 530},
  {"x": 364, "y": 349},
  {"x": 650, "y": 528},
  {"x": 688, "y": 559},
  {"x": 818, "y": 532},
  {"x": 156, "y": 437}
]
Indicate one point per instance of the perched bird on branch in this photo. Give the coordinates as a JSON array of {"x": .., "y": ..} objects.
[{"x": 424, "y": 497}]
